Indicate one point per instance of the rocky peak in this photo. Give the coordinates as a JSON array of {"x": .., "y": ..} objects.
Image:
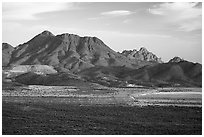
[
  {"x": 176, "y": 60},
  {"x": 92, "y": 40},
  {"x": 144, "y": 50},
  {"x": 143, "y": 54},
  {"x": 68, "y": 37},
  {"x": 7, "y": 46},
  {"x": 129, "y": 53},
  {"x": 46, "y": 33}
]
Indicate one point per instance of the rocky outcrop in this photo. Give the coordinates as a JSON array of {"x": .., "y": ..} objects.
[
  {"x": 7, "y": 50},
  {"x": 47, "y": 33},
  {"x": 58, "y": 56},
  {"x": 68, "y": 51},
  {"x": 176, "y": 60},
  {"x": 143, "y": 54}
]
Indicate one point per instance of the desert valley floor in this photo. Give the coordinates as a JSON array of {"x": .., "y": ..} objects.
[{"x": 68, "y": 110}]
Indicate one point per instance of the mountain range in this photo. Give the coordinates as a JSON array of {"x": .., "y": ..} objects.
[
  {"x": 143, "y": 54},
  {"x": 90, "y": 59}
]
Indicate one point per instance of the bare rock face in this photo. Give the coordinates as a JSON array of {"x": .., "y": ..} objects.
[
  {"x": 67, "y": 51},
  {"x": 47, "y": 33},
  {"x": 143, "y": 54},
  {"x": 90, "y": 58},
  {"x": 176, "y": 60},
  {"x": 7, "y": 50}
]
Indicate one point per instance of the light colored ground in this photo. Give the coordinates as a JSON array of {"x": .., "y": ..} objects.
[
  {"x": 121, "y": 96},
  {"x": 176, "y": 97}
]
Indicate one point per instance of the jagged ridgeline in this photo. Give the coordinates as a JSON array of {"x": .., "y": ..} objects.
[
  {"x": 91, "y": 59},
  {"x": 142, "y": 54},
  {"x": 68, "y": 51}
]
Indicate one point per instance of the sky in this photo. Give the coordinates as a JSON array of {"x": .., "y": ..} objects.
[{"x": 166, "y": 29}]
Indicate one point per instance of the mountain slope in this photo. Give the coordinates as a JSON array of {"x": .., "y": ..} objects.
[
  {"x": 69, "y": 51},
  {"x": 143, "y": 54},
  {"x": 7, "y": 50},
  {"x": 176, "y": 60},
  {"x": 183, "y": 73},
  {"x": 48, "y": 58}
]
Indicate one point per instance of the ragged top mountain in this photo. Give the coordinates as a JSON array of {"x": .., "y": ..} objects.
[
  {"x": 54, "y": 60},
  {"x": 142, "y": 54},
  {"x": 69, "y": 51},
  {"x": 176, "y": 59}
]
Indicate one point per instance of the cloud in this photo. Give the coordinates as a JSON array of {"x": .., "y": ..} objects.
[
  {"x": 114, "y": 13},
  {"x": 186, "y": 15},
  {"x": 117, "y": 13},
  {"x": 29, "y": 10}
]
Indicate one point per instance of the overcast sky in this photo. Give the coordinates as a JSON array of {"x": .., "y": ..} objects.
[{"x": 166, "y": 29}]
